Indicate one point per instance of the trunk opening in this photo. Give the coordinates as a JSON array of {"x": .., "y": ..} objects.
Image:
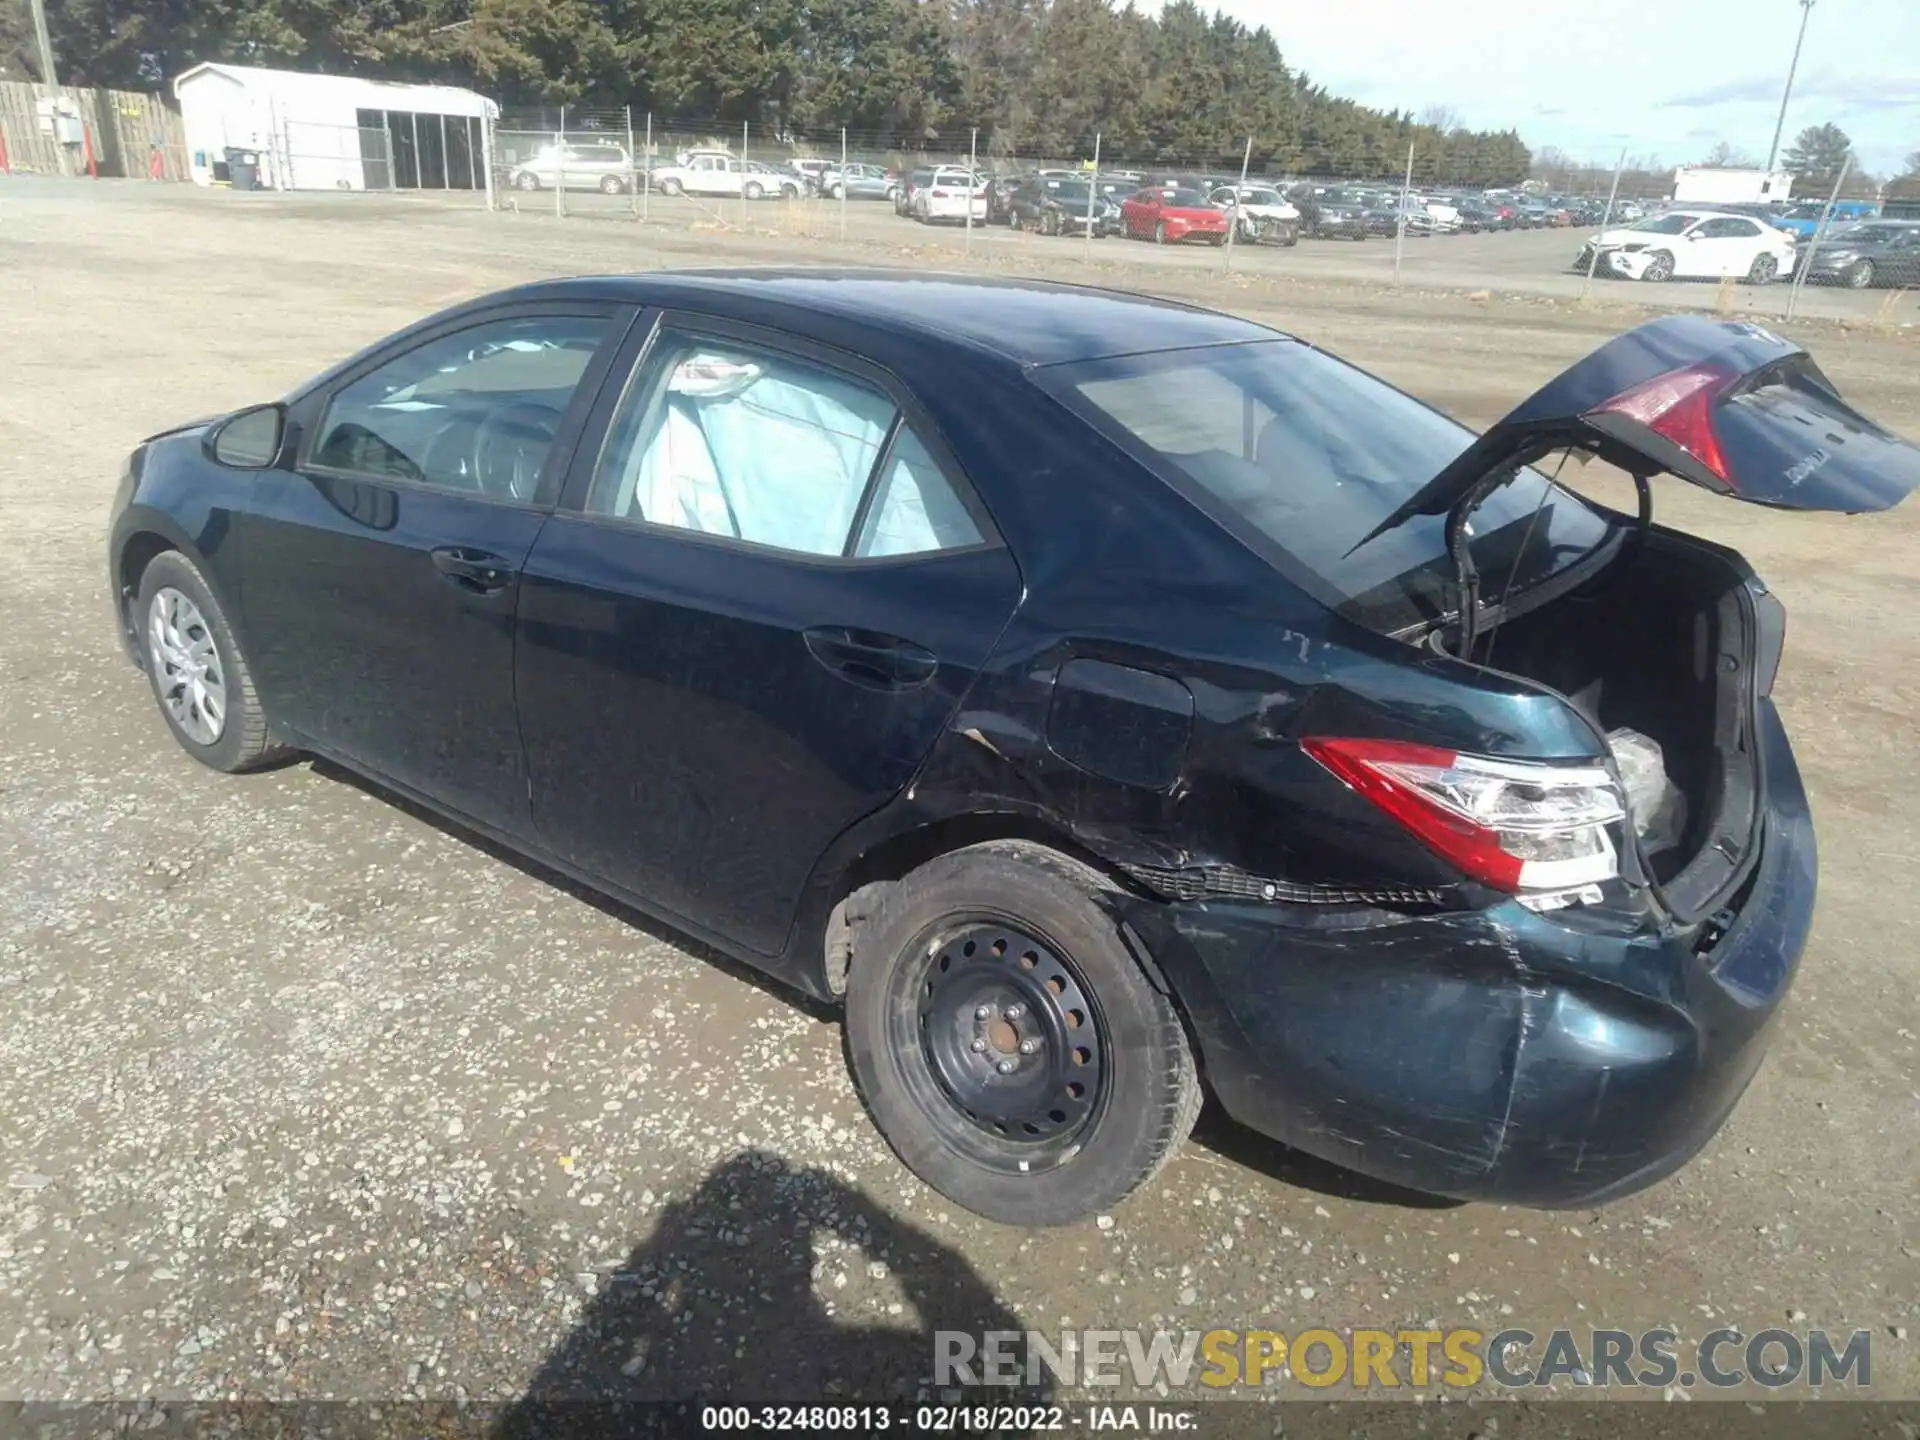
[{"x": 1663, "y": 642}]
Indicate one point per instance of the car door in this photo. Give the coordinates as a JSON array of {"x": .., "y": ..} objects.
[
  {"x": 1718, "y": 247},
  {"x": 764, "y": 594},
  {"x": 379, "y": 572}
]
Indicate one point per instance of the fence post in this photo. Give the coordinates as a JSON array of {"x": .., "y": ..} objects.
[
  {"x": 1400, "y": 230},
  {"x": 1593, "y": 260},
  {"x": 1239, "y": 199},
  {"x": 486, "y": 151},
  {"x": 973, "y": 175},
  {"x": 1093, "y": 196},
  {"x": 646, "y": 177},
  {"x": 386, "y": 129},
  {"x": 744, "y": 139},
  {"x": 843, "y": 184},
  {"x": 1799, "y": 281},
  {"x": 633, "y": 203},
  {"x": 560, "y": 167}
]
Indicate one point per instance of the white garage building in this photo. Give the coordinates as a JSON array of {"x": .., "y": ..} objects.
[{"x": 334, "y": 132}]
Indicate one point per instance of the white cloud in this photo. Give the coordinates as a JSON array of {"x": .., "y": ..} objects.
[{"x": 1589, "y": 81}]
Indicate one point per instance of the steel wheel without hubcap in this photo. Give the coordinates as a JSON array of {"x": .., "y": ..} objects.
[
  {"x": 189, "y": 676},
  {"x": 1013, "y": 1044}
]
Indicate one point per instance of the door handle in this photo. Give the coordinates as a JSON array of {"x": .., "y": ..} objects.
[
  {"x": 866, "y": 657},
  {"x": 475, "y": 570}
]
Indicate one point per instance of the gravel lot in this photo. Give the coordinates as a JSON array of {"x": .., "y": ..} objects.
[{"x": 304, "y": 1094}]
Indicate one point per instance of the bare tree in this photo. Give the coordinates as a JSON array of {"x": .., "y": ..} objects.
[
  {"x": 1725, "y": 156},
  {"x": 1443, "y": 118}
]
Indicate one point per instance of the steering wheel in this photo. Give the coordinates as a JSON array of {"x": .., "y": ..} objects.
[{"x": 510, "y": 446}]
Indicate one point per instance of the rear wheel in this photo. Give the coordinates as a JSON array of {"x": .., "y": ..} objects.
[
  {"x": 1007, "y": 1043},
  {"x": 1763, "y": 270},
  {"x": 754, "y": 190},
  {"x": 1860, "y": 274},
  {"x": 194, "y": 664},
  {"x": 1160, "y": 232},
  {"x": 1050, "y": 223},
  {"x": 525, "y": 180},
  {"x": 611, "y": 185},
  {"x": 1659, "y": 268}
]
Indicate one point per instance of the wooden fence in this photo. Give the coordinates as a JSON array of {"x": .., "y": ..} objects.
[{"x": 124, "y": 129}]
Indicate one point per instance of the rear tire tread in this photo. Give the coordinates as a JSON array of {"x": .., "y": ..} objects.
[{"x": 1178, "y": 1088}]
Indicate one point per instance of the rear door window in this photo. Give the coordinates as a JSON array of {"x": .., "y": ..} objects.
[{"x": 746, "y": 443}]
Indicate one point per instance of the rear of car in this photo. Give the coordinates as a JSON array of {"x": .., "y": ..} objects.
[
  {"x": 1536, "y": 867},
  {"x": 952, "y": 194}
]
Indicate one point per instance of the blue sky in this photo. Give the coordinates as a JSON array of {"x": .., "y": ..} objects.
[{"x": 1670, "y": 77}]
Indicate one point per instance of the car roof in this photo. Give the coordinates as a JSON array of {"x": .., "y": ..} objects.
[{"x": 1030, "y": 322}]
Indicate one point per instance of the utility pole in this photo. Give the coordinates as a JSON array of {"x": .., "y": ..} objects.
[
  {"x": 45, "y": 41},
  {"x": 1806, "y": 9}
]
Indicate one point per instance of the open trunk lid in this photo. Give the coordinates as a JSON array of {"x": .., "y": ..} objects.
[{"x": 1726, "y": 405}]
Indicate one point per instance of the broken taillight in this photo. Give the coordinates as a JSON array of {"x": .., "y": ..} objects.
[
  {"x": 1678, "y": 406},
  {"x": 1512, "y": 825}
]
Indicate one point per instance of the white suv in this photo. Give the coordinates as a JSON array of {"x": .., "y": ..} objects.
[{"x": 947, "y": 193}]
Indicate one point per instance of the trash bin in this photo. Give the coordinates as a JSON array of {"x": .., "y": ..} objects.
[{"x": 243, "y": 168}]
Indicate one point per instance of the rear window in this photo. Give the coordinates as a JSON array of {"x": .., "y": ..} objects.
[{"x": 1301, "y": 455}]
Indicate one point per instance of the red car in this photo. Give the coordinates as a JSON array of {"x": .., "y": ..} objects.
[{"x": 1166, "y": 216}]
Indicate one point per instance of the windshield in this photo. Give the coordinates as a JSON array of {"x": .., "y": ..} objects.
[
  {"x": 1302, "y": 455},
  {"x": 1069, "y": 191},
  {"x": 1664, "y": 224},
  {"x": 1264, "y": 197},
  {"x": 1868, "y": 234}
]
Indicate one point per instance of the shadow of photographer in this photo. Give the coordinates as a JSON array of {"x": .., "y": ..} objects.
[{"x": 723, "y": 1304}]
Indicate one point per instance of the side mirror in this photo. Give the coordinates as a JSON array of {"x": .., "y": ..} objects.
[{"x": 249, "y": 439}]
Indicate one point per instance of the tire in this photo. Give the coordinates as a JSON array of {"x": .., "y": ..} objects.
[
  {"x": 1049, "y": 223},
  {"x": 1764, "y": 270},
  {"x": 1859, "y": 275},
  {"x": 611, "y": 185},
  {"x": 1013, "y": 219},
  {"x": 1160, "y": 232},
  {"x": 839, "y": 192},
  {"x": 1216, "y": 241},
  {"x": 1659, "y": 268},
  {"x": 926, "y": 962},
  {"x": 754, "y": 190},
  {"x": 526, "y": 180},
  {"x": 244, "y": 740},
  {"x": 671, "y": 186}
]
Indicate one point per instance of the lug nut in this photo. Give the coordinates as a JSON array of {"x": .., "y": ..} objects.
[
  {"x": 985, "y": 1012},
  {"x": 1027, "y": 1047},
  {"x": 1005, "y": 1067},
  {"x": 1014, "y": 1012},
  {"x": 978, "y": 1046}
]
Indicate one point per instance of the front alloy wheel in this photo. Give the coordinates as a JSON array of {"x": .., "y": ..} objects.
[
  {"x": 187, "y": 673},
  {"x": 1659, "y": 268},
  {"x": 1860, "y": 274}
]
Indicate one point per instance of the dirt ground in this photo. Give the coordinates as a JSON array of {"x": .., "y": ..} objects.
[{"x": 303, "y": 1094}]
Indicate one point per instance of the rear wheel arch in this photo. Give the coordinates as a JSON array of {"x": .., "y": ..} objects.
[{"x": 865, "y": 879}]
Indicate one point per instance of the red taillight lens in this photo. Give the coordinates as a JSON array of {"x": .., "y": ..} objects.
[
  {"x": 1512, "y": 825},
  {"x": 939, "y": 194},
  {"x": 1678, "y": 406}
]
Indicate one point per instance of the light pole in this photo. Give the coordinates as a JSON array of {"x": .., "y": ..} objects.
[{"x": 1806, "y": 9}]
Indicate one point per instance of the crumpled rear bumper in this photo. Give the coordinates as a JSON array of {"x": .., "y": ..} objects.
[{"x": 1495, "y": 1054}]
